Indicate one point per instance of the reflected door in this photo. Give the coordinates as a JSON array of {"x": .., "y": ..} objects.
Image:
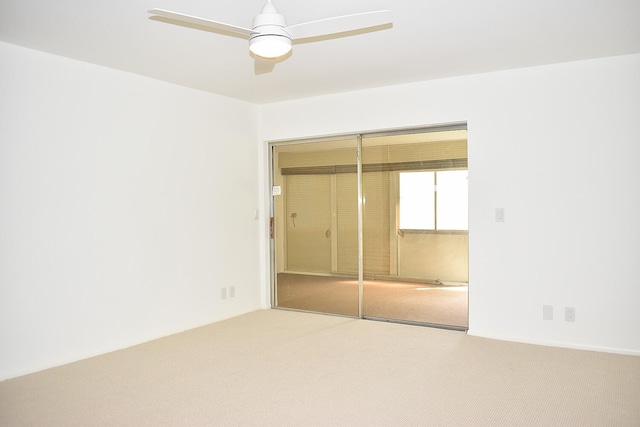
[{"x": 308, "y": 219}]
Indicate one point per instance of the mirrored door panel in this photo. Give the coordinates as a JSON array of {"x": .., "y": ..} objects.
[
  {"x": 316, "y": 226},
  {"x": 415, "y": 228}
]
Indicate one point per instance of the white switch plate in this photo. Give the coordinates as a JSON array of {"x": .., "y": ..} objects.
[
  {"x": 570, "y": 314},
  {"x": 547, "y": 312},
  {"x": 499, "y": 214}
]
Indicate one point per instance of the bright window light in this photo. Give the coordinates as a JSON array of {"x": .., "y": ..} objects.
[
  {"x": 434, "y": 200},
  {"x": 452, "y": 200},
  {"x": 417, "y": 204}
]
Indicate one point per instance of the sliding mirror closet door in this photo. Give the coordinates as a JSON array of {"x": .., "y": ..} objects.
[
  {"x": 415, "y": 228},
  {"x": 315, "y": 226},
  {"x": 383, "y": 235}
]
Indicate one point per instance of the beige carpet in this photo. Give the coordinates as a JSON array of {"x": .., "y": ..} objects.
[
  {"x": 284, "y": 368},
  {"x": 404, "y": 301}
]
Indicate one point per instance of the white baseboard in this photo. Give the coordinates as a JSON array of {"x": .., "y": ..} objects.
[{"x": 560, "y": 344}]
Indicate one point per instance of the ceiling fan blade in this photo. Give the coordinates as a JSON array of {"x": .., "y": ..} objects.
[
  {"x": 339, "y": 24},
  {"x": 180, "y": 17}
]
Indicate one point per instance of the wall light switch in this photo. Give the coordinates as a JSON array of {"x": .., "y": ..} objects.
[
  {"x": 499, "y": 214},
  {"x": 547, "y": 312}
]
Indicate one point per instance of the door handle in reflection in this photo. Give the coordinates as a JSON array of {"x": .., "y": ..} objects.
[{"x": 327, "y": 233}]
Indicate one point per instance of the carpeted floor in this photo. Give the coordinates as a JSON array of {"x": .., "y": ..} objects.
[
  {"x": 286, "y": 368},
  {"x": 405, "y": 301}
]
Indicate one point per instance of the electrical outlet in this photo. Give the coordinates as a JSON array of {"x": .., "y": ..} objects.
[
  {"x": 232, "y": 291},
  {"x": 223, "y": 293},
  {"x": 570, "y": 314},
  {"x": 547, "y": 312}
]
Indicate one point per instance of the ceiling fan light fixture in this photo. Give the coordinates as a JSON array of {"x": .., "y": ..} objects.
[
  {"x": 270, "y": 46},
  {"x": 270, "y": 37}
]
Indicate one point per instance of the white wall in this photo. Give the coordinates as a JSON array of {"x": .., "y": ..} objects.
[
  {"x": 119, "y": 224},
  {"x": 118, "y": 219},
  {"x": 558, "y": 148}
]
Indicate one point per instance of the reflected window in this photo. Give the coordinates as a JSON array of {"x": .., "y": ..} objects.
[
  {"x": 417, "y": 201},
  {"x": 434, "y": 200}
]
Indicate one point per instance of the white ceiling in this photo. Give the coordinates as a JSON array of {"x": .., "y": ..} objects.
[{"x": 430, "y": 39}]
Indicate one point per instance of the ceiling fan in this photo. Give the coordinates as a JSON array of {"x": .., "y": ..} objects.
[{"x": 270, "y": 37}]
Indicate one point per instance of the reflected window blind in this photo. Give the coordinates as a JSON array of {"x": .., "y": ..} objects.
[
  {"x": 347, "y": 223},
  {"x": 376, "y": 223},
  {"x": 375, "y": 187},
  {"x": 420, "y": 156}
]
